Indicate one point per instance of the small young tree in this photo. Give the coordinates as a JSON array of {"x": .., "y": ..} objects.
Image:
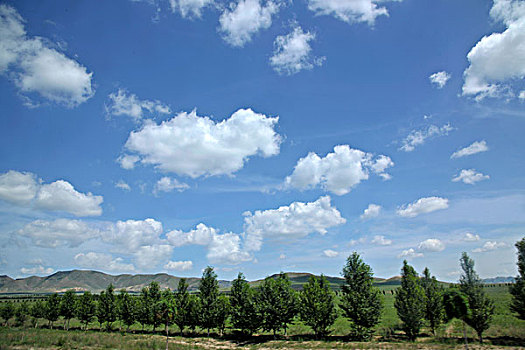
[
  {"x": 481, "y": 307},
  {"x": 244, "y": 310},
  {"x": 143, "y": 307},
  {"x": 85, "y": 308},
  {"x": 278, "y": 303},
  {"x": 52, "y": 309},
  {"x": 208, "y": 294},
  {"x": 67, "y": 307},
  {"x": 7, "y": 311},
  {"x": 361, "y": 302},
  {"x": 410, "y": 302},
  {"x": 166, "y": 308},
  {"x": 223, "y": 312},
  {"x": 182, "y": 306},
  {"x": 21, "y": 312},
  {"x": 517, "y": 290},
  {"x": 154, "y": 298},
  {"x": 126, "y": 306},
  {"x": 455, "y": 305},
  {"x": 317, "y": 306},
  {"x": 194, "y": 313},
  {"x": 107, "y": 308},
  {"x": 433, "y": 300},
  {"x": 36, "y": 310}
]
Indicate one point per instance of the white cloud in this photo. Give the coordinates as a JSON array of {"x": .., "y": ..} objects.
[
  {"x": 282, "y": 257},
  {"x": 475, "y": 147},
  {"x": 60, "y": 232},
  {"x": 470, "y": 176},
  {"x": 418, "y": 137},
  {"x": 431, "y": 245},
  {"x": 471, "y": 237},
  {"x": 338, "y": 172},
  {"x": 179, "y": 265},
  {"x": 290, "y": 222},
  {"x": 201, "y": 235},
  {"x": 381, "y": 240},
  {"x": 150, "y": 256},
  {"x": 37, "y": 270},
  {"x": 62, "y": 196},
  {"x": 293, "y": 53},
  {"x": 410, "y": 254},
  {"x": 102, "y": 261},
  {"x": 127, "y": 161},
  {"x": 124, "y": 103},
  {"x": 350, "y": 11},
  {"x": 194, "y": 146},
  {"x": 422, "y": 206},
  {"x": 372, "y": 211},
  {"x": 37, "y": 68},
  {"x": 245, "y": 18},
  {"x": 489, "y": 246},
  {"x": 122, "y": 185},
  {"x": 498, "y": 58},
  {"x": 130, "y": 235},
  {"x": 190, "y": 8},
  {"x": 330, "y": 253},
  {"x": 18, "y": 188},
  {"x": 522, "y": 95},
  {"x": 168, "y": 184},
  {"x": 439, "y": 79}
]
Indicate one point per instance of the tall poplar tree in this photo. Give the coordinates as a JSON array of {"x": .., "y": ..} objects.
[
  {"x": 317, "y": 305},
  {"x": 107, "y": 307},
  {"x": 182, "y": 305},
  {"x": 517, "y": 290},
  {"x": 410, "y": 302},
  {"x": 85, "y": 308},
  {"x": 244, "y": 310},
  {"x": 52, "y": 309},
  {"x": 434, "y": 312},
  {"x": 208, "y": 294},
  {"x": 67, "y": 306}
]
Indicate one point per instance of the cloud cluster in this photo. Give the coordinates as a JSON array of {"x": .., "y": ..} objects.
[
  {"x": 329, "y": 253},
  {"x": 102, "y": 261},
  {"x": 381, "y": 240},
  {"x": 122, "y": 103},
  {"x": 490, "y": 246},
  {"x": 190, "y": 8},
  {"x": 350, "y": 11},
  {"x": 431, "y": 245},
  {"x": 37, "y": 270},
  {"x": 422, "y": 206},
  {"x": 471, "y": 237},
  {"x": 372, "y": 211},
  {"x": 59, "y": 232},
  {"x": 195, "y": 146},
  {"x": 168, "y": 184},
  {"x": 410, "y": 254},
  {"x": 418, "y": 137},
  {"x": 498, "y": 58},
  {"x": 293, "y": 53},
  {"x": 179, "y": 265},
  {"x": 475, "y": 147},
  {"x": 439, "y": 79},
  {"x": 23, "y": 188},
  {"x": 470, "y": 176},
  {"x": 35, "y": 67},
  {"x": 337, "y": 172}
]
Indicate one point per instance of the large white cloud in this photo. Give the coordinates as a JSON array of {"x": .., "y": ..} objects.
[
  {"x": 127, "y": 104},
  {"x": 150, "y": 256},
  {"x": 60, "y": 232},
  {"x": 290, "y": 222},
  {"x": 130, "y": 235},
  {"x": 475, "y": 147},
  {"x": 470, "y": 176},
  {"x": 194, "y": 146},
  {"x": 102, "y": 261},
  {"x": 431, "y": 245},
  {"x": 62, "y": 196},
  {"x": 190, "y": 8},
  {"x": 418, "y": 137},
  {"x": 37, "y": 68},
  {"x": 293, "y": 52},
  {"x": 17, "y": 187},
  {"x": 422, "y": 206},
  {"x": 499, "y": 58},
  {"x": 337, "y": 172},
  {"x": 349, "y": 11},
  {"x": 245, "y": 18}
]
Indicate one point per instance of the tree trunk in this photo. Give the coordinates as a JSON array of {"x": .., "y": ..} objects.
[
  {"x": 167, "y": 336},
  {"x": 465, "y": 335},
  {"x": 68, "y": 324},
  {"x": 208, "y": 332},
  {"x": 65, "y": 323}
]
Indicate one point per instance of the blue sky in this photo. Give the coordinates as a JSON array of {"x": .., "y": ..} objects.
[{"x": 261, "y": 135}]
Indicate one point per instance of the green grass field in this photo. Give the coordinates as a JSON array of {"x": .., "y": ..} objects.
[{"x": 506, "y": 332}]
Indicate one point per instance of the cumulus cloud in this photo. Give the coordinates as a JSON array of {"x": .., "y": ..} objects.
[
  {"x": 521, "y": 96},
  {"x": 168, "y": 184},
  {"x": 470, "y": 176},
  {"x": 381, "y": 240},
  {"x": 130, "y": 235},
  {"x": 123, "y": 103},
  {"x": 195, "y": 146},
  {"x": 330, "y": 253},
  {"x": 372, "y": 211},
  {"x": 439, "y": 79},
  {"x": 431, "y": 245},
  {"x": 293, "y": 53},
  {"x": 418, "y": 137},
  {"x": 18, "y": 187},
  {"x": 127, "y": 161},
  {"x": 290, "y": 222},
  {"x": 122, "y": 185},
  {"x": 179, "y": 265},
  {"x": 37, "y": 270},
  {"x": 62, "y": 196},
  {"x": 60, "y": 232},
  {"x": 350, "y": 11},
  {"x": 338, "y": 172},
  {"x": 489, "y": 246},
  {"x": 243, "y": 19},
  {"x": 499, "y": 58},
  {"x": 190, "y": 8},
  {"x": 150, "y": 256},
  {"x": 470, "y": 237},
  {"x": 410, "y": 254},
  {"x": 102, "y": 261},
  {"x": 475, "y": 147},
  {"x": 422, "y": 206},
  {"x": 35, "y": 67}
]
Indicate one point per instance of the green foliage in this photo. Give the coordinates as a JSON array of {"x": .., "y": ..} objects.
[
  {"x": 317, "y": 305},
  {"x": 277, "y": 302},
  {"x": 36, "y": 311},
  {"x": 143, "y": 307},
  {"x": 433, "y": 300},
  {"x": 165, "y": 309},
  {"x": 410, "y": 302},
  {"x": 7, "y": 311},
  {"x": 182, "y": 306},
  {"x": 154, "y": 299},
  {"x": 107, "y": 307},
  {"x": 481, "y": 308},
  {"x": 67, "y": 306},
  {"x": 208, "y": 294},
  {"x": 52, "y": 309},
  {"x": 244, "y": 311},
  {"x": 21, "y": 312},
  {"x": 127, "y": 308},
  {"x": 223, "y": 312},
  {"x": 85, "y": 308},
  {"x": 194, "y": 313},
  {"x": 361, "y": 302},
  {"x": 455, "y": 304},
  {"x": 518, "y": 288}
]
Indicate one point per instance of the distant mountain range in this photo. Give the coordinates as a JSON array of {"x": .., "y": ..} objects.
[{"x": 95, "y": 281}]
